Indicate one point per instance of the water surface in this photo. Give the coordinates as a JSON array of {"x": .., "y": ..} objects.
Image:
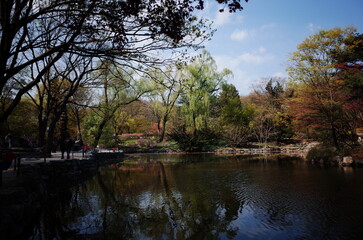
[{"x": 210, "y": 197}]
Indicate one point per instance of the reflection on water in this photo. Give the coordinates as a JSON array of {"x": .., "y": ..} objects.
[{"x": 209, "y": 197}]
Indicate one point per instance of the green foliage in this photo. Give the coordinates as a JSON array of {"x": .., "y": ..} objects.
[
  {"x": 23, "y": 121},
  {"x": 120, "y": 87},
  {"x": 137, "y": 124},
  {"x": 274, "y": 92},
  {"x": 145, "y": 143},
  {"x": 249, "y": 112},
  {"x": 314, "y": 58},
  {"x": 229, "y": 105},
  {"x": 90, "y": 125},
  {"x": 201, "y": 84},
  {"x": 283, "y": 126},
  {"x": 233, "y": 117},
  {"x": 133, "y": 118}
]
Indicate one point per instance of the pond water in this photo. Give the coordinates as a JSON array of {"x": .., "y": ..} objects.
[{"x": 210, "y": 197}]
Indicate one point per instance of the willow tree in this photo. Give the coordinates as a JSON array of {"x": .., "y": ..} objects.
[
  {"x": 201, "y": 83},
  {"x": 319, "y": 99}
]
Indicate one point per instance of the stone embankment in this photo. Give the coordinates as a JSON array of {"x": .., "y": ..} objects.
[
  {"x": 267, "y": 150},
  {"x": 20, "y": 205}
]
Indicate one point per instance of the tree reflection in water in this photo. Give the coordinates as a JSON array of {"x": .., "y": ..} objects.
[{"x": 205, "y": 197}]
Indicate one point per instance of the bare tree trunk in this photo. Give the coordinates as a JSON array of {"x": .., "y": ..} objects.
[
  {"x": 50, "y": 137},
  {"x": 78, "y": 122}
]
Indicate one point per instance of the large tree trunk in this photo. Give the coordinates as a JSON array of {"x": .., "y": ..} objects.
[
  {"x": 52, "y": 127},
  {"x": 99, "y": 132},
  {"x": 335, "y": 138},
  {"x": 159, "y": 126},
  {"x": 163, "y": 127},
  {"x": 42, "y": 129},
  {"x": 50, "y": 137},
  {"x": 79, "y": 130},
  {"x": 194, "y": 126}
]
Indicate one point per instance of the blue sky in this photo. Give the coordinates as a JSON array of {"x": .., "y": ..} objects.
[{"x": 256, "y": 42}]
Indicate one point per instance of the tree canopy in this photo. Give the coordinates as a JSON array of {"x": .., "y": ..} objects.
[
  {"x": 320, "y": 95},
  {"x": 127, "y": 31}
]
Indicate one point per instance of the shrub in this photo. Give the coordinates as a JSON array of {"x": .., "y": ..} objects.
[
  {"x": 357, "y": 153},
  {"x": 322, "y": 152},
  {"x": 145, "y": 143},
  {"x": 201, "y": 141}
]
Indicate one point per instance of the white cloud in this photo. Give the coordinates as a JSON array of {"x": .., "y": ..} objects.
[
  {"x": 222, "y": 18},
  {"x": 239, "y": 19},
  {"x": 243, "y": 67},
  {"x": 262, "y": 50},
  {"x": 253, "y": 58},
  {"x": 312, "y": 28},
  {"x": 249, "y": 58},
  {"x": 239, "y": 35},
  {"x": 242, "y": 81},
  {"x": 279, "y": 75},
  {"x": 226, "y": 62}
]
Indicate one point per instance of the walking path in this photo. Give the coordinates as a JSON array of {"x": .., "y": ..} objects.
[{"x": 9, "y": 177}]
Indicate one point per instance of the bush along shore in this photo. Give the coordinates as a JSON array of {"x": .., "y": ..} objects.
[{"x": 325, "y": 154}]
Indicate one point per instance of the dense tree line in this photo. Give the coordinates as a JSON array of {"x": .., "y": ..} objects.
[{"x": 99, "y": 87}]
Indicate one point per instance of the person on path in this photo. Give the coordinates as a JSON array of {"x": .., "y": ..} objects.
[
  {"x": 69, "y": 145},
  {"x": 8, "y": 140},
  {"x": 85, "y": 149},
  {"x": 62, "y": 146}
]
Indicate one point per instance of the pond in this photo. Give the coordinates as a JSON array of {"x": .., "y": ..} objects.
[{"x": 206, "y": 196}]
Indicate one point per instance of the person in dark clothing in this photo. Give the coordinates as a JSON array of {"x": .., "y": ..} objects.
[
  {"x": 8, "y": 140},
  {"x": 69, "y": 145},
  {"x": 62, "y": 146}
]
